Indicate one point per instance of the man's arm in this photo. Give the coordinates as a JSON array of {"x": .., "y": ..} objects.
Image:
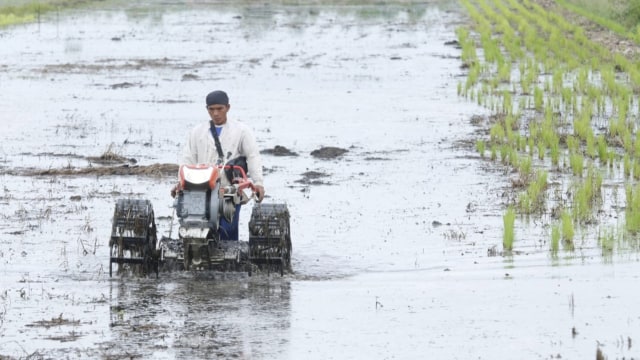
[{"x": 254, "y": 162}]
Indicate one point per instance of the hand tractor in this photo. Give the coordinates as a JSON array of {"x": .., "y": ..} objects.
[{"x": 206, "y": 196}]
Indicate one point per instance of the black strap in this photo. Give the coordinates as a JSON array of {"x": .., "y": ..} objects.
[{"x": 217, "y": 140}]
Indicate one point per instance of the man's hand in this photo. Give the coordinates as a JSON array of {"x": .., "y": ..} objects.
[
  {"x": 174, "y": 190},
  {"x": 259, "y": 193}
]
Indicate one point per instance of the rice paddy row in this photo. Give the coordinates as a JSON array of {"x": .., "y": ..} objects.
[{"x": 561, "y": 105}]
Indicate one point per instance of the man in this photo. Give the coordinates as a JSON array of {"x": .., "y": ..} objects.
[{"x": 235, "y": 139}]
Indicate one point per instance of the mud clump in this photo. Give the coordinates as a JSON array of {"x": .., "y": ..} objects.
[
  {"x": 279, "y": 150},
  {"x": 189, "y": 77},
  {"x": 328, "y": 152},
  {"x": 110, "y": 158},
  {"x": 124, "y": 85},
  {"x": 59, "y": 321},
  {"x": 313, "y": 178},
  {"x": 158, "y": 170}
]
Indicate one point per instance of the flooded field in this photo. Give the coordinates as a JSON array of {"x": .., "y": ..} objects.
[{"x": 396, "y": 242}]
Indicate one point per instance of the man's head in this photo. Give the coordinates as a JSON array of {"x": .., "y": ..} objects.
[{"x": 218, "y": 106}]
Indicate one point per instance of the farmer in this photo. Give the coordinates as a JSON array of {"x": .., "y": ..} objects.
[{"x": 220, "y": 140}]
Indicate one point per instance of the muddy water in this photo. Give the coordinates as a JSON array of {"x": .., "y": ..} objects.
[{"x": 391, "y": 247}]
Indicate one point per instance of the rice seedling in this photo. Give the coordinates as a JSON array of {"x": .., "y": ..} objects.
[
  {"x": 538, "y": 99},
  {"x": 533, "y": 199},
  {"x": 581, "y": 205},
  {"x": 509, "y": 231},
  {"x": 576, "y": 162},
  {"x": 607, "y": 241},
  {"x": 632, "y": 210},
  {"x": 541, "y": 150},
  {"x": 591, "y": 149},
  {"x": 626, "y": 165},
  {"x": 636, "y": 170},
  {"x": 480, "y": 147},
  {"x": 567, "y": 230},
  {"x": 555, "y": 239},
  {"x": 603, "y": 151}
]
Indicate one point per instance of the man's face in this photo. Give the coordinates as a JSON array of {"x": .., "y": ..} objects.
[{"x": 218, "y": 113}]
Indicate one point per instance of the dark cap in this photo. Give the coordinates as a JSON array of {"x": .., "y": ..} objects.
[{"x": 217, "y": 97}]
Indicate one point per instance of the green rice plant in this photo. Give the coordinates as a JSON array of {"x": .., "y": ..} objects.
[
  {"x": 555, "y": 239},
  {"x": 601, "y": 105},
  {"x": 632, "y": 209},
  {"x": 636, "y": 170},
  {"x": 608, "y": 78},
  {"x": 538, "y": 99},
  {"x": 533, "y": 199},
  {"x": 468, "y": 55},
  {"x": 567, "y": 98},
  {"x": 567, "y": 230},
  {"x": 504, "y": 71},
  {"x": 497, "y": 134},
  {"x": 627, "y": 141},
  {"x": 557, "y": 80},
  {"x": 612, "y": 158},
  {"x": 513, "y": 157},
  {"x": 480, "y": 146},
  {"x": 603, "y": 151},
  {"x": 582, "y": 80},
  {"x": 617, "y": 127},
  {"x": 576, "y": 162},
  {"x": 591, "y": 148},
  {"x": 473, "y": 75},
  {"x": 573, "y": 144},
  {"x": 522, "y": 104},
  {"x": 522, "y": 143},
  {"x": 541, "y": 150},
  {"x": 582, "y": 124},
  {"x": 548, "y": 133},
  {"x": 587, "y": 195},
  {"x": 554, "y": 152},
  {"x": 481, "y": 99},
  {"x": 524, "y": 167},
  {"x": 627, "y": 165},
  {"x": 507, "y": 102},
  {"x": 509, "y": 231},
  {"x": 504, "y": 153},
  {"x": 581, "y": 209},
  {"x": 636, "y": 147},
  {"x": 525, "y": 203},
  {"x": 607, "y": 241}
]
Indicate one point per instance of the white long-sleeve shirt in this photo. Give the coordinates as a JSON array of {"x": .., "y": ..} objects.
[{"x": 236, "y": 140}]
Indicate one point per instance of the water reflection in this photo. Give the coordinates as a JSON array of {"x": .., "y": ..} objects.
[{"x": 188, "y": 315}]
